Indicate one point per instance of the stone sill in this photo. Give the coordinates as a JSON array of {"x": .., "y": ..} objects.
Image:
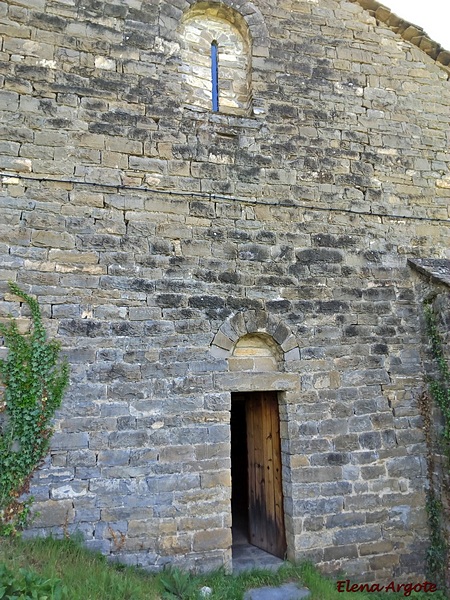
[
  {"x": 254, "y": 121},
  {"x": 251, "y": 381}
]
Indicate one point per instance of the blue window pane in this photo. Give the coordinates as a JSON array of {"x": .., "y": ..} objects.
[{"x": 215, "y": 76}]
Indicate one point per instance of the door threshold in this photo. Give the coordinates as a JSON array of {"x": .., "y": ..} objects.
[{"x": 247, "y": 557}]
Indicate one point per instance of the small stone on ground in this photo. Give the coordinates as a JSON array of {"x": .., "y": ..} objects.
[{"x": 289, "y": 591}]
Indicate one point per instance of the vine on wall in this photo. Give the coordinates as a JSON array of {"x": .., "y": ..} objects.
[
  {"x": 439, "y": 390},
  {"x": 34, "y": 383}
]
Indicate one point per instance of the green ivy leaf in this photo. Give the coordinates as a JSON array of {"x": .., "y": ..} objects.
[{"x": 34, "y": 383}]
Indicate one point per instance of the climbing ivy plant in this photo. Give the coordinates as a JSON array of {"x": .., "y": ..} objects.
[
  {"x": 439, "y": 389},
  {"x": 34, "y": 382},
  {"x": 440, "y": 385}
]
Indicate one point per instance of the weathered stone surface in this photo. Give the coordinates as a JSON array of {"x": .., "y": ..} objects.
[
  {"x": 53, "y": 513},
  {"x": 159, "y": 236}
]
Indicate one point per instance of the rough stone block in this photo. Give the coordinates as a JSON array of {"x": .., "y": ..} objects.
[
  {"x": 340, "y": 552},
  {"x": 357, "y": 534},
  {"x": 407, "y": 466},
  {"x": 53, "y": 513},
  {"x": 218, "y": 479},
  {"x": 212, "y": 539},
  {"x": 69, "y": 441},
  {"x": 52, "y": 239}
]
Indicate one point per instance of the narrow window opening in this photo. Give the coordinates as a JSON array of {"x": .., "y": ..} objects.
[{"x": 215, "y": 76}]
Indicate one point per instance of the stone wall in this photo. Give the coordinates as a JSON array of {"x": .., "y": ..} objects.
[
  {"x": 432, "y": 290},
  {"x": 156, "y": 236}
]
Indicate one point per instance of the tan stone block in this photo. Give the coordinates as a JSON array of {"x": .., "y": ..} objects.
[
  {"x": 122, "y": 144},
  {"x": 195, "y": 248},
  {"x": 90, "y": 140},
  {"x": 33, "y": 265},
  {"x": 384, "y": 561},
  {"x": 223, "y": 341},
  {"x": 165, "y": 151},
  {"x": 62, "y": 256},
  {"x": 89, "y": 269},
  {"x": 137, "y": 544},
  {"x": 299, "y": 460},
  {"x": 51, "y": 239},
  {"x": 213, "y": 539},
  {"x": 175, "y": 544},
  {"x": 176, "y": 453},
  {"x": 335, "y": 380},
  {"x": 167, "y": 526},
  {"x": 265, "y": 364},
  {"x": 166, "y": 206},
  {"x": 220, "y": 478},
  {"x": 141, "y": 527},
  {"x": 375, "y": 548},
  {"x": 198, "y": 221},
  {"x": 253, "y": 381},
  {"x": 241, "y": 364},
  {"x": 53, "y": 513},
  {"x": 178, "y": 167},
  {"x": 23, "y": 324},
  {"x": 16, "y": 191},
  {"x": 215, "y": 451},
  {"x": 443, "y": 183},
  {"x": 116, "y": 160},
  {"x": 200, "y": 523},
  {"x": 102, "y": 62},
  {"x": 21, "y": 165},
  {"x": 242, "y": 350}
]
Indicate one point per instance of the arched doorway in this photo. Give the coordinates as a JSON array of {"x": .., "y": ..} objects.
[{"x": 263, "y": 387}]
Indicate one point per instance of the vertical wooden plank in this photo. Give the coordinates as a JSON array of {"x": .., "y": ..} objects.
[
  {"x": 270, "y": 527},
  {"x": 252, "y": 469},
  {"x": 280, "y": 538},
  {"x": 266, "y": 519},
  {"x": 260, "y": 481},
  {"x": 264, "y": 482}
]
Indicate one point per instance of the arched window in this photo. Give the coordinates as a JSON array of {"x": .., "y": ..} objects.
[
  {"x": 216, "y": 59},
  {"x": 215, "y": 75}
]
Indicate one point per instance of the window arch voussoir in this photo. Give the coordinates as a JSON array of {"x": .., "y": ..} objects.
[{"x": 227, "y": 88}]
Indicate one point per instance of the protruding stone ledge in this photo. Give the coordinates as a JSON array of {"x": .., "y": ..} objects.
[
  {"x": 436, "y": 269},
  {"x": 256, "y": 382}
]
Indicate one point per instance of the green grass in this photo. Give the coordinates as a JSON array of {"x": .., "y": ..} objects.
[
  {"x": 89, "y": 576},
  {"x": 86, "y": 575}
]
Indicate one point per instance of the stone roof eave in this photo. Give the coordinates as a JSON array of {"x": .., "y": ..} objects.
[
  {"x": 435, "y": 269},
  {"x": 408, "y": 31}
]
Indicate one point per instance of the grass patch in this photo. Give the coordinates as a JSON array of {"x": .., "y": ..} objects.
[
  {"x": 86, "y": 575},
  {"x": 89, "y": 576}
]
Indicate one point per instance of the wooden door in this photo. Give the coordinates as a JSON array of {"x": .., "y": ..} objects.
[{"x": 266, "y": 517}]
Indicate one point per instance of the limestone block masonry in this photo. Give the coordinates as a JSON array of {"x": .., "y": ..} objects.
[{"x": 183, "y": 255}]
